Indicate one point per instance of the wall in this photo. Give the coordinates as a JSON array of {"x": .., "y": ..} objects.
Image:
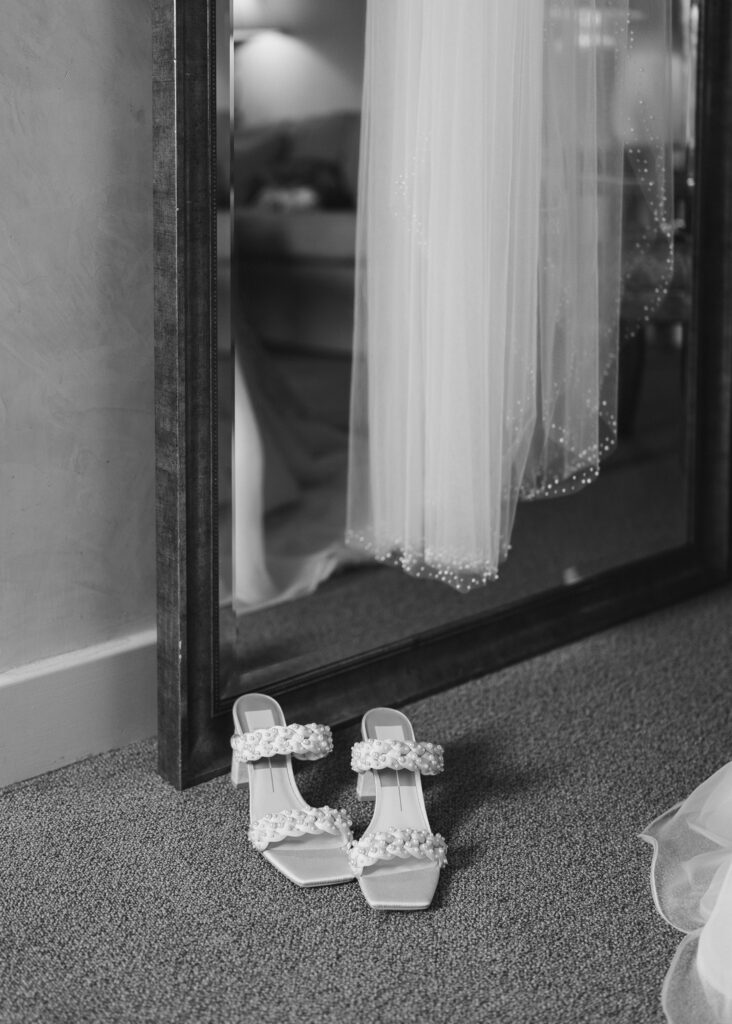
[
  {"x": 77, "y": 536},
  {"x": 315, "y": 68},
  {"x": 76, "y": 337}
]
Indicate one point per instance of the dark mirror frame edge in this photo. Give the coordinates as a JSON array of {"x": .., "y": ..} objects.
[{"x": 193, "y": 724}]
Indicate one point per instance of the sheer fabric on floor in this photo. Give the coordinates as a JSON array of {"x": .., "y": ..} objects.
[
  {"x": 288, "y": 485},
  {"x": 488, "y": 265},
  {"x": 691, "y": 881}
]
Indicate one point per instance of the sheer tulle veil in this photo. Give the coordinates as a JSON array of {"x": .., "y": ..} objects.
[
  {"x": 495, "y": 142},
  {"x": 691, "y": 880}
]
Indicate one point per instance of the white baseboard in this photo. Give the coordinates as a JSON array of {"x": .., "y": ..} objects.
[{"x": 62, "y": 709}]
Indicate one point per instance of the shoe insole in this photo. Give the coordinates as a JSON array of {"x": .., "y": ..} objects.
[
  {"x": 399, "y": 801},
  {"x": 272, "y": 785}
]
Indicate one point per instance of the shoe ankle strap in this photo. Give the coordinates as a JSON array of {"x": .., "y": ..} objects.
[
  {"x": 398, "y": 755},
  {"x": 306, "y": 742}
]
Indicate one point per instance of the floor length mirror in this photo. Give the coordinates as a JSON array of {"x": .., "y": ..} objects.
[
  {"x": 293, "y": 596},
  {"x": 301, "y": 147}
]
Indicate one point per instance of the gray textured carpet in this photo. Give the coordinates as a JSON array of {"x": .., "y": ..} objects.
[{"x": 122, "y": 900}]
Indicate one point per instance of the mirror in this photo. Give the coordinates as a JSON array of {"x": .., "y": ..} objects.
[
  {"x": 288, "y": 216},
  {"x": 298, "y": 614}
]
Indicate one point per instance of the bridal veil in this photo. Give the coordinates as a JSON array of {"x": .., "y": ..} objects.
[
  {"x": 692, "y": 887},
  {"x": 496, "y": 138}
]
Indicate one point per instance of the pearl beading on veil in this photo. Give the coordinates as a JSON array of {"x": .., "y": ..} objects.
[{"x": 491, "y": 272}]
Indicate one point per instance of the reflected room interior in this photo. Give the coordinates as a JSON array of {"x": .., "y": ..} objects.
[{"x": 292, "y": 595}]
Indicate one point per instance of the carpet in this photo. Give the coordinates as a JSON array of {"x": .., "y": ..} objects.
[{"x": 123, "y": 900}]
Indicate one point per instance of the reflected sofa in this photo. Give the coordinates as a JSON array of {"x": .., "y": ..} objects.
[{"x": 295, "y": 186}]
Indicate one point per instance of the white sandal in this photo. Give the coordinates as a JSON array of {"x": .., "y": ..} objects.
[
  {"x": 307, "y": 844},
  {"x": 398, "y": 858}
]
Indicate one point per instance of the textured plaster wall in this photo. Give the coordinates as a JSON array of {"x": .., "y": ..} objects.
[{"x": 76, "y": 329}]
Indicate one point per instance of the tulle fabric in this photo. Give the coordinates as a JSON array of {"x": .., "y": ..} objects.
[
  {"x": 288, "y": 486},
  {"x": 488, "y": 267},
  {"x": 691, "y": 880}
]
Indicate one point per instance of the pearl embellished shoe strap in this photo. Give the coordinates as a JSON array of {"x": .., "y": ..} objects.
[
  {"x": 306, "y": 742},
  {"x": 398, "y": 755},
  {"x": 396, "y": 842},
  {"x": 273, "y": 828}
]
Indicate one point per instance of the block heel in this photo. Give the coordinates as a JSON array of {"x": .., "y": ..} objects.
[
  {"x": 366, "y": 786},
  {"x": 239, "y": 773}
]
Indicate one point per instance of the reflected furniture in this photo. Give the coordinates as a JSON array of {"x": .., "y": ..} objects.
[{"x": 295, "y": 228}]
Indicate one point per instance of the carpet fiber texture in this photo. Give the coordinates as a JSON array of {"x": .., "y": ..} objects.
[{"x": 123, "y": 900}]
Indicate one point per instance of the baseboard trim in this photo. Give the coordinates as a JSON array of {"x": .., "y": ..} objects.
[{"x": 62, "y": 709}]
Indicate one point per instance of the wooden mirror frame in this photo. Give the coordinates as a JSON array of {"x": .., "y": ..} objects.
[{"x": 194, "y": 723}]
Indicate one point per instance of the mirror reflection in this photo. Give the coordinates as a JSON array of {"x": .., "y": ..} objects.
[{"x": 290, "y": 87}]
